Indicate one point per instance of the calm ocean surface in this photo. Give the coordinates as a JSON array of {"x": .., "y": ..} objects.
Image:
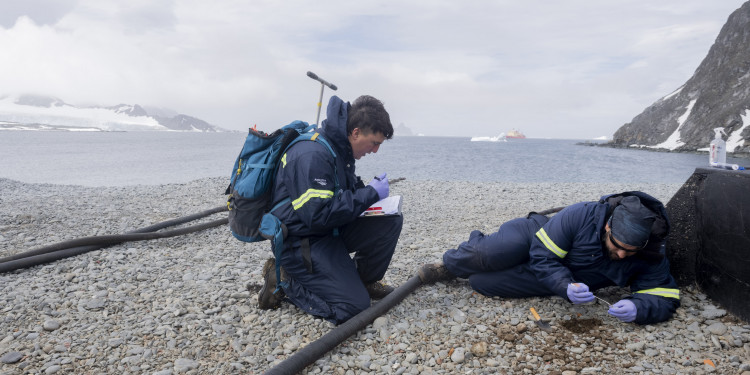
[{"x": 151, "y": 158}]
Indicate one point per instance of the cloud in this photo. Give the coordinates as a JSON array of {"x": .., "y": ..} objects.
[
  {"x": 572, "y": 68},
  {"x": 42, "y": 12}
]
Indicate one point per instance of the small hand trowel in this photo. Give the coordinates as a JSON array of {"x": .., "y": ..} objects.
[{"x": 539, "y": 322}]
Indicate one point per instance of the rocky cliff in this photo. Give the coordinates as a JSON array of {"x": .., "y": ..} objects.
[{"x": 717, "y": 95}]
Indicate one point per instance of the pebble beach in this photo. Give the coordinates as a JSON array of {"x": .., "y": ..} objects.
[{"x": 180, "y": 305}]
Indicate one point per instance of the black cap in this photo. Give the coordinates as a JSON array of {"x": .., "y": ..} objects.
[{"x": 631, "y": 222}]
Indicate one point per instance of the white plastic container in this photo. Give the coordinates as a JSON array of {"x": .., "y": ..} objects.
[{"x": 717, "y": 151}]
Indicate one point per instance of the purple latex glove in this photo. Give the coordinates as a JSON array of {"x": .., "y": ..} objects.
[
  {"x": 579, "y": 293},
  {"x": 380, "y": 183},
  {"x": 624, "y": 310}
]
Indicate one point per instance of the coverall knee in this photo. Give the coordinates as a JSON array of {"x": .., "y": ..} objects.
[{"x": 335, "y": 290}]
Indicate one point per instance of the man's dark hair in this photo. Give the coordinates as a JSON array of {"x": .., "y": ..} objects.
[{"x": 369, "y": 115}]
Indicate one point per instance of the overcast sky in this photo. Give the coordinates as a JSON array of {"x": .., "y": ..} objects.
[{"x": 559, "y": 69}]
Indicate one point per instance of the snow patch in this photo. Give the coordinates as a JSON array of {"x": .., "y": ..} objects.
[
  {"x": 735, "y": 140},
  {"x": 674, "y": 141},
  {"x": 70, "y": 116},
  {"x": 673, "y": 93}
]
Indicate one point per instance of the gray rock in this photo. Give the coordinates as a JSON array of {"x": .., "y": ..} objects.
[
  {"x": 713, "y": 313},
  {"x": 458, "y": 355},
  {"x": 694, "y": 327},
  {"x": 380, "y": 322},
  {"x": 458, "y": 315},
  {"x": 635, "y": 346},
  {"x": 717, "y": 328},
  {"x": 11, "y": 357},
  {"x": 113, "y": 343},
  {"x": 182, "y": 365},
  {"x": 51, "y": 325},
  {"x": 591, "y": 370},
  {"x": 411, "y": 358},
  {"x": 95, "y": 304}
]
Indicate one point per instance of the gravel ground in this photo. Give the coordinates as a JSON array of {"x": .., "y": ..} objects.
[{"x": 179, "y": 305}]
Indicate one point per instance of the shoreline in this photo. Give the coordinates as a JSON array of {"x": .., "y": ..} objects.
[
  {"x": 737, "y": 154},
  {"x": 179, "y": 305}
]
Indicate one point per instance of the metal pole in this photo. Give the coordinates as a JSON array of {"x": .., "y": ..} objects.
[
  {"x": 320, "y": 103},
  {"x": 323, "y": 84}
]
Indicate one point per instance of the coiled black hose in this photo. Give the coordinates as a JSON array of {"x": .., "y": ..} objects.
[{"x": 79, "y": 246}]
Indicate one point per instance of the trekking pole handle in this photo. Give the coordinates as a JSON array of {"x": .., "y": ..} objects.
[{"x": 321, "y": 80}]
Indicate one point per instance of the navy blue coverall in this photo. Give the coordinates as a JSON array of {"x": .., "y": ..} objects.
[
  {"x": 324, "y": 226},
  {"x": 534, "y": 256}
]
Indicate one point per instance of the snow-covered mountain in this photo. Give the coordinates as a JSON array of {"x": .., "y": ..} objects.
[
  {"x": 716, "y": 96},
  {"x": 33, "y": 112}
]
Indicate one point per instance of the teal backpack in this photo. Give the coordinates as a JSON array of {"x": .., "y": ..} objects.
[{"x": 251, "y": 185}]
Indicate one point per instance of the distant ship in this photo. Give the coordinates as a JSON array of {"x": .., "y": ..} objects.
[{"x": 515, "y": 134}]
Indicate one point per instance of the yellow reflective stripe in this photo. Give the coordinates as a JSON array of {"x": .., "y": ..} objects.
[
  {"x": 314, "y": 136},
  {"x": 549, "y": 244},
  {"x": 663, "y": 292},
  {"x": 283, "y": 160},
  {"x": 309, "y": 194}
]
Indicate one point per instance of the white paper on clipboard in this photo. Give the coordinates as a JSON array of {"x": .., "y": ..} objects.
[{"x": 389, "y": 206}]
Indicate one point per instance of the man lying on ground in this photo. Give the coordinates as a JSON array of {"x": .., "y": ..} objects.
[{"x": 618, "y": 240}]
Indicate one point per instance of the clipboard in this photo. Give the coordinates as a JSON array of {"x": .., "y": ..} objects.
[{"x": 385, "y": 207}]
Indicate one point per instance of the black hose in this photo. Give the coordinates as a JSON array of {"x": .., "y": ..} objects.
[
  {"x": 106, "y": 240},
  {"x": 307, "y": 355},
  {"x": 181, "y": 220},
  {"x": 83, "y": 245},
  {"x": 98, "y": 242}
]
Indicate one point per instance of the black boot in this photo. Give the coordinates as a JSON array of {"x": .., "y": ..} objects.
[
  {"x": 378, "y": 290},
  {"x": 430, "y": 273}
]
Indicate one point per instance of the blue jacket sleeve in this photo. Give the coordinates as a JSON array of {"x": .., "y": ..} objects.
[
  {"x": 655, "y": 293},
  {"x": 551, "y": 245},
  {"x": 309, "y": 177}
]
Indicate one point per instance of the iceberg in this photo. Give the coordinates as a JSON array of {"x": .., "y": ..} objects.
[{"x": 499, "y": 138}]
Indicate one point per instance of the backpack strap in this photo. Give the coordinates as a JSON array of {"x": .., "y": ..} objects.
[{"x": 317, "y": 137}]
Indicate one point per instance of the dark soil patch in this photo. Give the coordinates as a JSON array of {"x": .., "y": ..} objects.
[{"x": 581, "y": 325}]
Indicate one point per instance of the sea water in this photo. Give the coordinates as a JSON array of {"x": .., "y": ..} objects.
[{"x": 151, "y": 158}]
